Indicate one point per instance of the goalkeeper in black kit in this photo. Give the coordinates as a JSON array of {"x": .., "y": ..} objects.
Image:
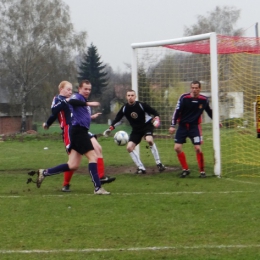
[
  {"x": 187, "y": 115},
  {"x": 139, "y": 116}
]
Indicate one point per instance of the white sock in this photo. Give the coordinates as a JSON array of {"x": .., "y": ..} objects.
[
  {"x": 137, "y": 160},
  {"x": 155, "y": 153}
]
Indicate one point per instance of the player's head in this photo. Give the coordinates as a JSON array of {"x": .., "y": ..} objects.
[
  {"x": 130, "y": 96},
  {"x": 85, "y": 88},
  {"x": 65, "y": 88},
  {"x": 195, "y": 87}
]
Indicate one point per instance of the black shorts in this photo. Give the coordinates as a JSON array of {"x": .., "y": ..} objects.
[
  {"x": 138, "y": 133},
  {"x": 191, "y": 131},
  {"x": 91, "y": 135},
  {"x": 80, "y": 140}
]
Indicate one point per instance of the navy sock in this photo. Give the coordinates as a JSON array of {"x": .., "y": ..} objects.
[
  {"x": 94, "y": 175},
  {"x": 57, "y": 169}
]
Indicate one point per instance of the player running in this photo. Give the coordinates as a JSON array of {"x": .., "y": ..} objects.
[
  {"x": 80, "y": 143},
  {"x": 62, "y": 111}
]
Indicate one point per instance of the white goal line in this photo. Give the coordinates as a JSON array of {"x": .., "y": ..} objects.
[{"x": 133, "y": 194}]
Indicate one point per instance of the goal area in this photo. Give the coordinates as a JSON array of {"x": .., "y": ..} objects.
[{"x": 229, "y": 71}]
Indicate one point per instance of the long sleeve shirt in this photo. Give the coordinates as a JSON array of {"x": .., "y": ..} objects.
[
  {"x": 189, "y": 109},
  {"x": 138, "y": 114},
  {"x": 81, "y": 115}
]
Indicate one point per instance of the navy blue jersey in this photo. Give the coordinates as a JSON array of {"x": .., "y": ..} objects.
[
  {"x": 81, "y": 115},
  {"x": 138, "y": 114},
  {"x": 189, "y": 109},
  {"x": 61, "y": 110}
]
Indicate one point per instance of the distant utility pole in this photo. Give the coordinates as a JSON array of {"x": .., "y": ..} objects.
[{"x": 256, "y": 30}]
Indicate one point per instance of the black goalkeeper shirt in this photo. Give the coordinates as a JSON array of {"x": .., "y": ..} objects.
[{"x": 138, "y": 114}]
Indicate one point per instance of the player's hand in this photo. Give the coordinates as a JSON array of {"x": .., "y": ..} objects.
[
  {"x": 156, "y": 121},
  {"x": 108, "y": 131},
  {"x": 95, "y": 115},
  {"x": 171, "y": 130},
  {"x": 45, "y": 126}
]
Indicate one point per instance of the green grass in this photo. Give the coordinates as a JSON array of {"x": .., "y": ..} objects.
[{"x": 156, "y": 216}]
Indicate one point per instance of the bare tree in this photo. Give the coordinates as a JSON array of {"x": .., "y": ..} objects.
[
  {"x": 32, "y": 34},
  {"x": 220, "y": 20}
]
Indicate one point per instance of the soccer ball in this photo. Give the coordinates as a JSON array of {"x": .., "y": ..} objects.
[{"x": 121, "y": 138}]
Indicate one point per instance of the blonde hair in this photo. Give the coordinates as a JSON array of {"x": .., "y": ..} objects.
[{"x": 62, "y": 84}]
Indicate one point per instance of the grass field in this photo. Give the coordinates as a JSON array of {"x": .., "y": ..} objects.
[{"x": 153, "y": 216}]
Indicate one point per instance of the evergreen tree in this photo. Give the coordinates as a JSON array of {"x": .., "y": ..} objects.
[{"x": 91, "y": 68}]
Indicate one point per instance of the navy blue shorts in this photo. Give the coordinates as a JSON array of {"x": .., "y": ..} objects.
[
  {"x": 137, "y": 134},
  {"x": 191, "y": 131},
  {"x": 80, "y": 140}
]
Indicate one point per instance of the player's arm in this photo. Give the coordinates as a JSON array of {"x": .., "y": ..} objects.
[
  {"x": 55, "y": 110},
  {"x": 175, "y": 116},
  {"x": 115, "y": 122},
  {"x": 94, "y": 116},
  {"x": 49, "y": 122},
  {"x": 208, "y": 109},
  {"x": 151, "y": 111},
  {"x": 210, "y": 114}
]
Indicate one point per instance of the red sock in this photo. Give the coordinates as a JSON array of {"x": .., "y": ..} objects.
[
  {"x": 182, "y": 160},
  {"x": 101, "y": 168},
  {"x": 67, "y": 177},
  {"x": 200, "y": 159}
]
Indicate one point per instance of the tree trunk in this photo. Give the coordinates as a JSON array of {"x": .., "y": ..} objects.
[{"x": 23, "y": 114}]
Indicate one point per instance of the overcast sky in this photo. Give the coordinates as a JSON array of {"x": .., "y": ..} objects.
[{"x": 113, "y": 25}]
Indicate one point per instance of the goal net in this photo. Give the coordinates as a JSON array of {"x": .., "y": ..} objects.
[{"x": 229, "y": 71}]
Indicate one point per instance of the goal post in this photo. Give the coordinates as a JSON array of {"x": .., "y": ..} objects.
[
  {"x": 213, "y": 76},
  {"x": 228, "y": 68}
]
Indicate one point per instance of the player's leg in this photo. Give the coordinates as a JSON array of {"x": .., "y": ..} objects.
[
  {"x": 66, "y": 181},
  {"x": 93, "y": 171},
  {"x": 182, "y": 159},
  {"x": 86, "y": 148},
  {"x": 73, "y": 163},
  {"x": 154, "y": 150},
  {"x": 180, "y": 139},
  {"x": 68, "y": 174},
  {"x": 200, "y": 160},
  {"x": 196, "y": 138},
  {"x": 100, "y": 161},
  {"x": 134, "y": 140}
]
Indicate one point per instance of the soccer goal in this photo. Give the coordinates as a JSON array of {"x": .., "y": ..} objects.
[{"x": 229, "y": 71}]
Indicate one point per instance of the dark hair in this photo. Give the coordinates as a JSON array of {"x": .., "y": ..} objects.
[
  {"x": 85, "y": 81},
  {"x": 130, "y": 90},
  {"x": 195, "y": 82}
]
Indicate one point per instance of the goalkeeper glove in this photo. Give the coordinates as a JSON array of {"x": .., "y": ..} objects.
[
  {"x": 156, "y": 121},
  {"x": 108, "y": 131}
]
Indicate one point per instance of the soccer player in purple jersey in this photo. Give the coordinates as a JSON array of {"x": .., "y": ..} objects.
[
  {"x": 139, "y": 116},
  {"x": 61, "y": 110},
  {"x": 187, "y": 114},
  {"x": 80, "y": 140}
]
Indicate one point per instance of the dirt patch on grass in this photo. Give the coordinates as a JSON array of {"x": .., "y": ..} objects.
[{"x": 114, "y": 170}]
